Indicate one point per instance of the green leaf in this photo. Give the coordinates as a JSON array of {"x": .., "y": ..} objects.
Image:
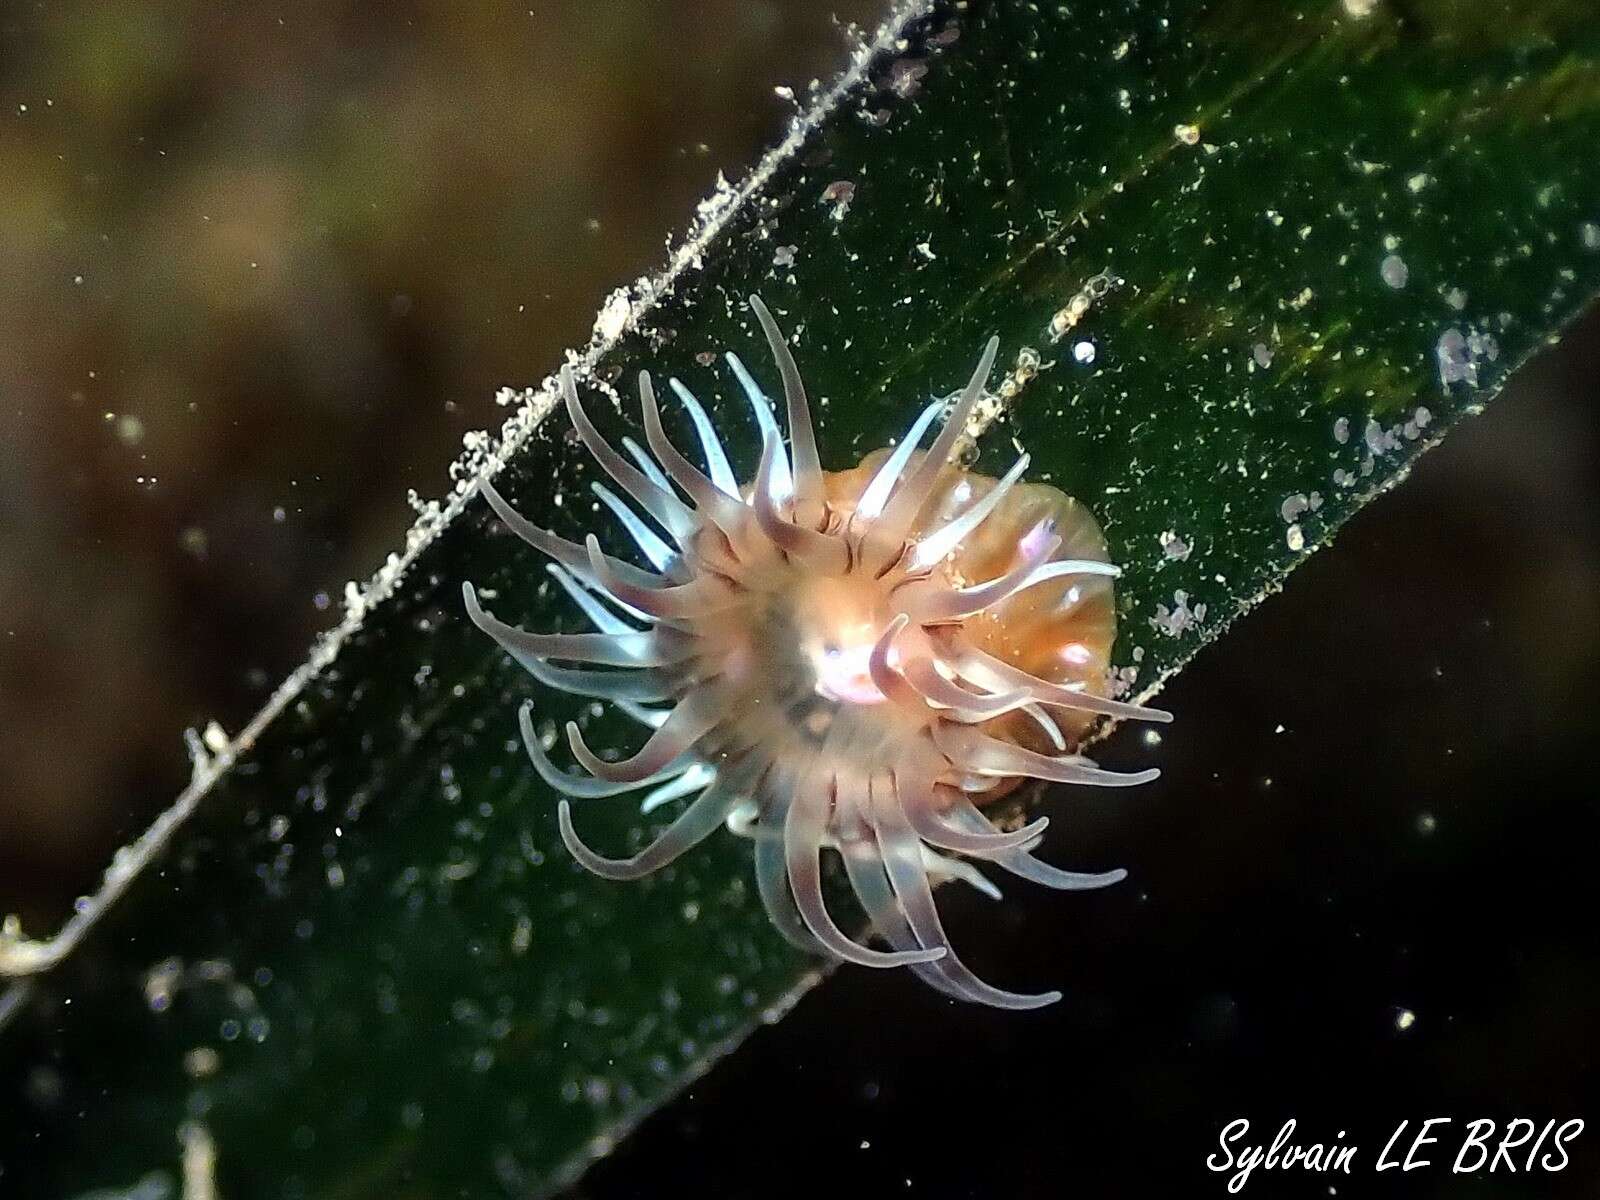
[{"x": 1246, "y": 261}]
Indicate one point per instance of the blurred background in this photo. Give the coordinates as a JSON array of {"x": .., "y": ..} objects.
[{"x": 261, "y": 269}]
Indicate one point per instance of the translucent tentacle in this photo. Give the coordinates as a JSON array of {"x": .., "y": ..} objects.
[
  {"x": 580, "y": 786},
  {"x": 650, "y": 718},
  {"x": 973, "y": 751},
  {"x": 602, "y": 685},
  {"x": 921, "y": 674},
  {"x": 908, "y": 500},
  {"x": 803, "y": 831},
  {"x": 679, "y": 603},
  {"x": 772, "y": 882},
  {"x": 657, "y": 501},
  {"x": 802, "y": 438},
  {"x": 902, "y": 856},
  {"x": 652, "y": 471},
  {"x": 884, "y": 677},
  {"x": 865, "y": 868},
  {"x": 990, "y": 671},
  {"x": 876, "y": 495},
  {"x": 934, "y": 547},
  {"x": 782, "y": 479},
  {"x": 603, "y": 618},
  {"x": 571, "y": 555},
  {"x": 1020, "y": 862},
  {"x": 827, "y": 553},
  {"x": 660, "y": 554},
  {"x": 696, "y": 715},
  {"x": 647, "y": 649},
  {"x": 697, "y": 776},
  {"x": 920, "y": 803},
  {"x": 725, "y": 511},
  {"x": 691, "y": 827},
  {"x": 1043, "y": 721},
  {"x": 716, "y": 456}
]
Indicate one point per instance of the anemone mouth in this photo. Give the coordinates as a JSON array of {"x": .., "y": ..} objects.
[{"x": 849, "y": 661}]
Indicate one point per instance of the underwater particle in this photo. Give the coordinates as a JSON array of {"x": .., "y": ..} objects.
[
  {"x": 1262, "y": 355},
  {"x": 194, "y": 543},
  {"x": 613, "y": 318},
  {"x": 1456, "y": 298},
  {"x": 1294, "y": 537},
  {"x": 783, "y": 256},
  {"x": 129, "y": 429},
  {"x": 1292, "y": 507},
  {"x": 905, "y": 77},
  {"x": 1360, "y": 8},
  {"x": 1455, "y": 363},
  {"x": 1083, "y": 352},
  {"x": 201, "y": 1063},
  {"x": 1341, "y": 430},
  {"x": 1427, "y": 824},
  {"x": 1589, "y": 235},
  {"x": 852, "y": 661},
  {"x": 1178, "y": 619},
  {"x": 1189, "y": 135},
  {"x": 1404, "y": 1019},
  {"x": 1394, "y": 272},
  {"x": 1174, "y": 547},
  {"x": 841, "y": 193}
]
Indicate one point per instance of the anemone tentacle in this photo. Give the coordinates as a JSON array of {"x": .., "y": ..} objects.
[
  {"x": 847, "y": 663},
  {"x": 656, "y": 499}
]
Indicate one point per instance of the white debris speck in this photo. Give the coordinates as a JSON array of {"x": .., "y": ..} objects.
[
  {"x": 1419, "y": 181},
  {"x": 1378, "y": 439},
  {"x": 1189, "y": 135},
  {"x": 905, "y": 77},
  {"x": 1456, "y": 298},
  {"x": 783, "y": 256},
  {"x": 1589, "y": 233},
  {"x": 1291, "y": 508},
  {"x": 1262, "y": 353},
  {"x": 1180, "y": 617},
  {"x": 613, "y": 318},
  {"x": 1394, "y": 271},
  {"x": 1459, "y": 354},
  {"x": 130, "y": 429},
  {"x": 1404, "y": 1019},
  {"x": 1295, "y": 538},
  {"x": 1359, "y": 8},
  {"x": 1174, "y": 547},
  {"x": 1083, "y": 352},
  {"x": 1341, "y": 430},
  {"x": 841, "y": 193}
]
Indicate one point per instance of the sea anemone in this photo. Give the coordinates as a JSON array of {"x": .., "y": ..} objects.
[{"x": 852, "y": 660}]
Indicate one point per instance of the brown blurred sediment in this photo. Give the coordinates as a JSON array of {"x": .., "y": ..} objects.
[{"x": 260, "y": 270}]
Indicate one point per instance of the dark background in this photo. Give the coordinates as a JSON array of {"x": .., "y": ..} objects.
[{"x": 262, "y": 268}]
